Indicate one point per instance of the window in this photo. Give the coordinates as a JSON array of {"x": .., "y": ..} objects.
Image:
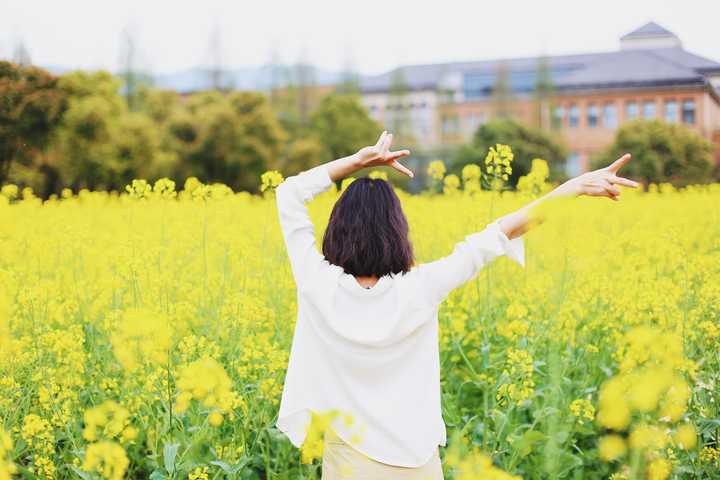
[
  {"x": 572, "y": 165},
  {"x": 559, "y": 116},
  {"x": 649, "y": 109},
  {"x": 573, "y": 116},
  {"x": 671, "y": 111},
  {"x": 688, "y": 111},
  {"x": 610, "y": 115},
  {"x": 631, "y": 110},
  {"x": 449, "y": 124},
  {"x": 592, "y": 115}
]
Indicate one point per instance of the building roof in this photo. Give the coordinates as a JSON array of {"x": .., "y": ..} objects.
[
  {"x": 650, "y": 29},
  {"x": 625, "y": 68}
]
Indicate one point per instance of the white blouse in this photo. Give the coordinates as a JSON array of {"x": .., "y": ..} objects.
[{"x": 372, "y": 353}]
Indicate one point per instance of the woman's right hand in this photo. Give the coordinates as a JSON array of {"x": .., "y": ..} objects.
[
  {"x": 602, "y": 182},
  {"x": 380, "y": 155}
]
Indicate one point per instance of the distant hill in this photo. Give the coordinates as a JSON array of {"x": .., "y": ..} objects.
[{"x": 245, "y": 78}]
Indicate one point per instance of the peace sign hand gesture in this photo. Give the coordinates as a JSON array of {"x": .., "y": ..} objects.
[
  {"x": 380, "y": 154},
  {"x": 601, "y": 182}
]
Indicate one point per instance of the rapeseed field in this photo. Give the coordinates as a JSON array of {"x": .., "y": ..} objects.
[{"x": 144, "y": 334}]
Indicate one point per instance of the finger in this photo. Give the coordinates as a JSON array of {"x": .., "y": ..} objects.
[
  {"x": 398, "y": 154},
  {"x": 617, "y": 164},
  {"x": 401, "y": 168},
  {"x": 623, "y": 181},
  {"x": 381, "y": 140},
  {"x": 388, "y": 142},
  {"x": 613, "y": 190}
]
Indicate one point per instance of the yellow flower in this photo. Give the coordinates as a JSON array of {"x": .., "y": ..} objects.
[
  {"x": 583, "y": 410},
  {"x": 107, "y": 459},
  {"x": 611, "y": 447},
  {"x": 270, "y": 180},
  {"x": 7, "y": 467},
  {"x": 109, "y": 421},
  {"x": 215, "y": 419},
  {"x": 199, "y": 473},
  {"x": 685, "y": 437},
  {"x": 659, "y": 469},
  {"x": 142, "y": 337},
  {"x": 648, "y": 436},
  {"x": 436, "y": 170}
]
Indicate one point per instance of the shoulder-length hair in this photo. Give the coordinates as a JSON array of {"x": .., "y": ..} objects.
[{"x": 367, "y": 233}]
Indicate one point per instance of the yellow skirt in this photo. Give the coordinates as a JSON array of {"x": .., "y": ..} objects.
[{"x": 342, "y": 462}]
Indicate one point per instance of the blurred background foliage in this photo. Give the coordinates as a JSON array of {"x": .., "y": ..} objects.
[{"x": 99, "y": 131}]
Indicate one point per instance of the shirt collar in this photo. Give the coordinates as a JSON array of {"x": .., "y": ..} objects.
[{"x": 351, "y": 285}]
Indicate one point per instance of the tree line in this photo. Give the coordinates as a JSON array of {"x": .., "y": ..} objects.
[
  {"x": 78, "y": 130},
  {"x": 84, "y": 130}
]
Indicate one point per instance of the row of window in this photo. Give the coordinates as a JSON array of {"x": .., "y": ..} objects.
[
  {"x": 673, "y": 111},
  {"x": 400, "y": 106}
]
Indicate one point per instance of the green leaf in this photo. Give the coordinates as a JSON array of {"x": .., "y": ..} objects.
[
  {"x": 169, "y": 453},
  {"x": 225, "y": 467},
  {"x": 157, "y": 475},
  {"x": 525, "y": 445},
  {"x": 80, "y": 473}
]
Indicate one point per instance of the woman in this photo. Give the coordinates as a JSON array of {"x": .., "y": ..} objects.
[{"x": 366, "y": 337}]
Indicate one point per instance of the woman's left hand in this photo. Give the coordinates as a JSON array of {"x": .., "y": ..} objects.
[{"x": 602, "y": 182}]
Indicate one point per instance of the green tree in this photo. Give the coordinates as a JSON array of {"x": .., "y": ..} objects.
[
  {"x": 101, "y": 144},
  {"x": 302, "y": 154},
  {"x": 527, "y": 143},
  {"x": 85, "y": 137},
  {"x": 343, "y": 124},
  {"x": 662, "y": 152},
  {"x": 229, "y": 139},
  {"x": 31, "y": 106}
]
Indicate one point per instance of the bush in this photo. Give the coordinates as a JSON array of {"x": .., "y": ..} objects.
[
  {"x": 662, "y": 152},
  {"x": 527, "y": 143}
]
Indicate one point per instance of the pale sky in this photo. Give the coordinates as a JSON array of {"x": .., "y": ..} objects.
[{"x": 372, "y": 35}]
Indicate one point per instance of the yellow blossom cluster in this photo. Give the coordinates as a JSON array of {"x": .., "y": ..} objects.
[
  {"x": 498, "y": 162},
  {"x": 650, "y": 389},
  {"x": 141, "y": 337},
  {"x": 7, "y": 467},
  {"x": 40, "y": 437},
  {"x": 107, "y": 459},
  {"x": 110, "y": 421},
  {"x": 270, "y": 180},
  {"x": 436, "y": 170},
  {"x": 206, "y": 381},
  {"x": 519, "y": 384},
  {"x": 320, "y": 423},
  {"x": 199, "y": 473},
  {"x": 583, "y": 410},
  {"x": 535, "y": 182}
]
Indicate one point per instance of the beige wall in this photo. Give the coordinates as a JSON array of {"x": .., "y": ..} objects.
[
  {"x": 420, "y": 108},
  {"x": 584, "y": 140}
]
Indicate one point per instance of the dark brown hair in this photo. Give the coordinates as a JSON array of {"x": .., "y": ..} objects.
[{"x": 367, "y": 233}]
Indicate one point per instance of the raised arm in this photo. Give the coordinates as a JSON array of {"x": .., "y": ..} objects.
[
  {"x": 297, "y": 227},
  {"x": 597, "y": 183},
  {"x": 503, "y": 236},
  {"x": 292, "y": 194}
]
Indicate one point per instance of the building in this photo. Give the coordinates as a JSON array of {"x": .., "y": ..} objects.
[{"x": 650, "y": 76}]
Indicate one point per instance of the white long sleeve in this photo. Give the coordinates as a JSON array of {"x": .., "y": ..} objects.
[
  {"x": 371, "y": 353},
  {"x": 467, "y": 259},
  {"x": 297, "y": 227}
]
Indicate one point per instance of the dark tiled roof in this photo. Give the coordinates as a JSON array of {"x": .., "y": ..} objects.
[{"x": 623, "y": 68}]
